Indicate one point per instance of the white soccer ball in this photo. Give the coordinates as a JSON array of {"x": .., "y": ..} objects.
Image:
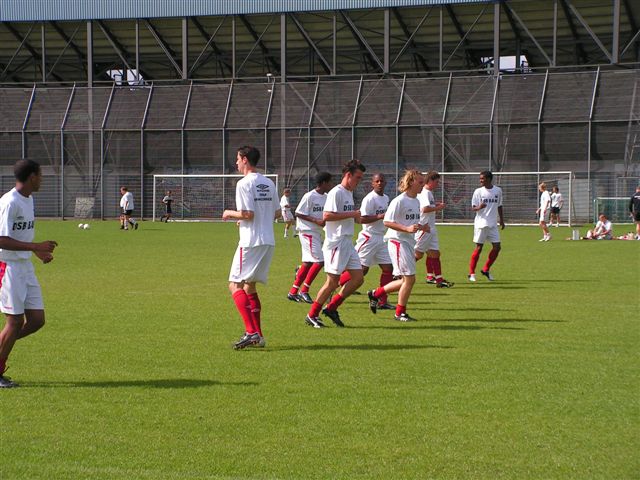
[
  {"x": 81, "y": 225},
  {"x": 86, "y": 226}
]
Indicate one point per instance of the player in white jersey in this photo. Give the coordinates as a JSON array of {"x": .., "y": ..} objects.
[
  {"x": 287, "y": 214},
  {"x": 544, "y": 211},
  {"x": 339, "y": 255},
  {"x": 557, "y": 203},
  {"x": 427, "y": 240},
  {"x": 487, "y": 203},
  {"x": 370, "y": 245},
  {"x": 309, "y": 223},
  {"x": 20, "y": 293},
  {"x": 127, "y": 206},
  {"x": 256, "y": 208},
  {"x": 402, "y": 220}
]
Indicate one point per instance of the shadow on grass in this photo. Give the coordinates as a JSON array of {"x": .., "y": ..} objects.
[
  {"x": 169, "y": 383},
  {"x": 357, "y": 347},
  {"x": 435, "y": 327}
]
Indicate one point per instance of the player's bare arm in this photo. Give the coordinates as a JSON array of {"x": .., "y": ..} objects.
[
  {"x": 8, "y": 243},
  {"x": 502, "y": 225},
  {"x": 433, "y": 208},
  {"x": 475, "y": 208},
  {"x": 318, "y": 221},
  {"x": 404, "y": 228},
  {"x": 364, "y": 219},
  {"x": 337, "y": 216},
  {"x": 237, "y": 215}
]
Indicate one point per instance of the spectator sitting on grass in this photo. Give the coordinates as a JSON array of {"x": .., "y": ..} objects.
[{"x": 602, "y": 230}]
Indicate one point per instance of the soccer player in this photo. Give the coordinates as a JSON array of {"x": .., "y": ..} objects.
[
  {"x": 487, "y": 203},
  {"x": 634, "y": 210},
  {"x": 126, "y": 203},
  {"x": 167, "y": 200},
  {"x": 309, "y": 223},
  {"x": 370, "y": 245},
  {"x": 287, "y": 215},
  {"x": 557, "y": 202},
  {"x": 20, "y": 294},
  {"x": 402, "y": 220},
  {"x": 602, "y": 230},
  {"x": 427, "y": 239},
  {"x": 339, "y": 254},
  {"x": 256, "y": 208},
  {"x": 543, "y": 212}
]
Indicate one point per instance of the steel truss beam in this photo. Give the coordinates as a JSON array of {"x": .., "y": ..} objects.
[
  {"x": 258, "y": 41},
  {"x": 580, "y": 53},
  {"x": 24, "y": 43},
  {"x": 370, "y": 55},
  {"x": 410, "y": 42},
  {"x": 589, "y": 31},
  {"x": 529, "y": 34},
  {"x": 463, "y": 36},
  {"x": 210, "y": 43},
  {"x": 164, "y": 46},
  {"x": 311, "y": 43}
]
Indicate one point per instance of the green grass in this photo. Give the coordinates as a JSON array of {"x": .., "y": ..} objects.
[{"x": 535, "y": 375}]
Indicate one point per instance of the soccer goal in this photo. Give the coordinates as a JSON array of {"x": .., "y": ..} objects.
[
  {"x": 521, "y": 197},
  {"x": 615, "y": 208},
  {"x": 197, "y": 198}
]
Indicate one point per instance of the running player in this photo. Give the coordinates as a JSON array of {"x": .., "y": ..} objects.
[
  {"x": 256, "y": 208},
  {"x": 370, "y": 245},
  {"x": 287, "y": 215},
  {"x": 634, "y": 210},
  {"x": 544, "y": 211},
  {"x": 126, "y": 203},
  {"x": 309, "y": 223},
  {"x": 557, "y": 203},
  {"x": 339, "y": 215},
  {"x": 402, "y": 220},
  {"x": 427, "y": 240},
  {"x": 167, "y": 200},
  {"x": 20, "y": 294},
  {"x": 487, "y": 203}
]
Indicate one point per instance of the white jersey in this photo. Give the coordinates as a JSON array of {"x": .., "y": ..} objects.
[
  {"x": 545, "y": 201},
  {"x": 406, "y": 211},
  {"x": 312, "y": 205},
  {"x": 556, "y": 200},
  {"x": 603, "y": 227},
  {"x": 374, "y": 204},
  {"x": 427, "y": 199},
  {"x": 126, "y": 202},
  {"x": 257, "y": 193},
  {"x": 284, "y": 204},
  {"x": 492, "y": 197},
  {"x": 339, "y": 200},
  {"x": 17, "y": 221}
]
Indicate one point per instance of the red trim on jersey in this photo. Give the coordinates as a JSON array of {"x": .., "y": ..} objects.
[
  {"x": 3, "y": 268},
  {"x": 310, "y": 240},
  {"x": 367, "y": 238},
  {"x": 396, "y": 244}
]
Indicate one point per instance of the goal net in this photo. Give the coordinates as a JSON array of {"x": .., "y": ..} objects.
[
  {"x": 197, "y": 197},
  {"x": 615, "y": 208},
  {"x": 520, "y": 192}
]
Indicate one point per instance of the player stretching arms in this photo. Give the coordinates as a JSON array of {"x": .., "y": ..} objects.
[
  {"x": 427, "y": 239},
  {"x": 256, "y": 207},
  {"x": 126, "y": 203},
  {"x": 287, "y": 215},
  {"x": 403, "y": 221},
  {"x": 370, "y": 245},
  {"x": 20, "y": 294},
  {"x": 339, "y": 215},
  {"x": 309, "y": 223},
  {"x": 544, "y": 211},
  {"x": 487, "y": 203}
]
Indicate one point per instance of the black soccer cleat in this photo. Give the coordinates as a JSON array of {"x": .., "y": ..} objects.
[
  {"x": 444, "y": 284},
  {"x": 6, "y": 382},
  {"x": 404, "y": 317},
  {"x": 305, "y": 297},
  {"x": 487, "y": 274},
  {"x": 247, "y": 340},
  {"x": 385, "y": 306},
  {"x": 373, "y": 301},
  {"x": 334, "y": 316},
  {"x": 313, "y": 322},
  {"x": 294, "y": 297},
  {"x": 430, "y": 280}
]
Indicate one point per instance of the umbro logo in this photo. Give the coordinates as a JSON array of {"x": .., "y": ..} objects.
[{"x": 262, "y": 187}]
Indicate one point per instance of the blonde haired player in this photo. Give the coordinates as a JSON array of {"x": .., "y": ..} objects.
[
  {"x": 287, "y": 214},
  {"x": 402, "y": 220},
  {"x": 544, "y": 211}
]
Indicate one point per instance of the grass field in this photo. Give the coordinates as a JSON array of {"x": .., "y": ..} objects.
[{"x": 535, "y": 375}]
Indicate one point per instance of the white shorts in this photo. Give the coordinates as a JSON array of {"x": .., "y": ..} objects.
[
  {"x": 372, "y": 250},
  {"x": 287, "y": 216},
  {"x": 545, "y": 216},
  {"x": 402, "y": 257},
  {"x": 251, "y": 264},
  {"x": 486, "y": 234},
  {"x": 427, "y": 240},
  {"x": 340, "y": 256},
  {"x": 20, "y": 289},
  {"x": 311, "y": 243}
]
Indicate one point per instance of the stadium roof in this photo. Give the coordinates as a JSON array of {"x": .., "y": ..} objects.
[{"x": 72, "y": 40}]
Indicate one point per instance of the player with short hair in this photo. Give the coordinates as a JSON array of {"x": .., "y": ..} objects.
[
  {"x": 487, "y": 203},
  {"x": 20, "y": 293},
  {"x": 339, "y": 254},
  {"x": 402, "y": 220},
  {"x": 543, "y": 211},
  {"x": 256, "y": 208},
  {"x": 427, "y": 239},
  {"x": 127, "y": 206},
  {"x": 287, "y": 214},
  {"x": 602, "y": 230},
  {"x": 634, "y": 210},
  {"x": 370, "y": 244},
  {"x": 309, "y": 223},
  {"x": 557, "y": 202},
  {"x": 167, "y": 200}
]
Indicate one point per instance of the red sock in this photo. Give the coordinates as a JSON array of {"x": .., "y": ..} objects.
[
  {"x": 400, "y": 309},
  {"x": 315, "y": 309},
  {"x": 429, "y": 264},
  {"x": 385, "y": 277},
  {"x": 379, "y": 293},
  {"x": 493, "y": 254},
  {"x": 345, "y": 277},
  {"x": 475, "y": 256},
  {"x": 335, "y": 302},
  {"x": 311, "y": 275},
  {"x": 254, "y": 308},
  {"x": 242, "y": 304},
  {"x": 300, "y": 275}
]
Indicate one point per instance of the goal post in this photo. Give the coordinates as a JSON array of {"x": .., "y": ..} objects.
[
  {"x": 198, "y": 198},
  {"x": 615, "y": 208},
  {"x": 521, "y": 197}
]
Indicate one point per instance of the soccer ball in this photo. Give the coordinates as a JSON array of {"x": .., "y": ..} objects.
[
  {"x": 81, "y": 225},
  {"x": 86, "y": 226}
]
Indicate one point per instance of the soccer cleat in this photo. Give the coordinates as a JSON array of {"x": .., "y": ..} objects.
[
  {"x": 121, "y": 227},
  {"x": 247, "y": 340},
  {"x": 543, "y": 239},
  {"x": 373, "y": 301},
  {"x": 305, "y": 297},
  {"x": 135, "y": 225},
  {"x": 313, "y": 322},
  {"x": 472, "y": 277},
  {"x": 430, "y": 280},
  {"x": 294, "y": 297},
  {"x": 261, "y": 343},
  {"x": 547, "y": 238},
  {"x": 404, "y": 317},
  {"x": 6, "y": 382},
  {"x": 487, "y": 274},
  {"x": 444, "y": 284},
  {"x": 334, "y": 316},
  {"x": 385, "y": 306}
]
